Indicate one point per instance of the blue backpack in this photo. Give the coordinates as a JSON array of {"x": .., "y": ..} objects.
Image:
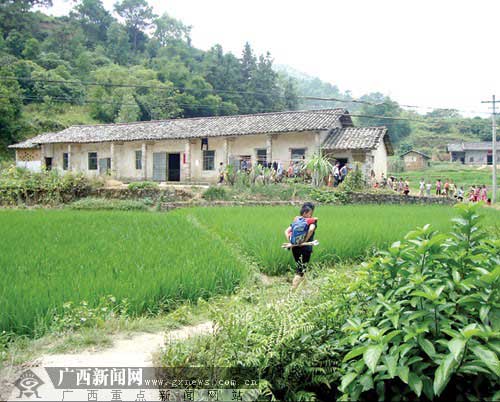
[{"x": 299, "y": 230}]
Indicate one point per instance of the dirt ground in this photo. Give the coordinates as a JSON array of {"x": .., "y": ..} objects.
[{"x": 137, "y": 350}]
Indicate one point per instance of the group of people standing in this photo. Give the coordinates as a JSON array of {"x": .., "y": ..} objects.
[
  {"x": 442, "y": 188},
  {"x": 338, "y": 174}
]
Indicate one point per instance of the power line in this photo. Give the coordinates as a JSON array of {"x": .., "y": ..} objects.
[
  {"x": 77, "y": 101},
  {"x": 112, "y": 85},
  {"x": 361, "y": 101},
  {"x": 197, "y": 106},
  {"x": 234, "y": 92}
]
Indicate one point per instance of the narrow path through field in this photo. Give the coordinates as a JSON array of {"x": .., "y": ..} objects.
[{"x": 137, "y": 350}]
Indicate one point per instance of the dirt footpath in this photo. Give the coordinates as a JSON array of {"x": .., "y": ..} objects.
[{"x": 137, "y": 350}]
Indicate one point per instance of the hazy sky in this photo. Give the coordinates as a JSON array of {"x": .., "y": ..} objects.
[{"x": 438, "y": 53}]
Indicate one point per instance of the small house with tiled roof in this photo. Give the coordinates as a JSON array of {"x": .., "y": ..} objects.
[
  {"x": 415, "y": 160},
  {"x": 192, "y": 149}
]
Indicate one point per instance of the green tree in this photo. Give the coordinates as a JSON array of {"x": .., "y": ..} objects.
[
  {"x": 14, "y": 14},
  {"x": 248, "y": 64},
  {"x": 129, "y": 110},
  {"x": 138, "y": 16},
  {"x": 169, "y": 29},
  {"x": 31, "y": 49},
  {"x": 224, "y": 73},
  {"x": 118, "y": 47},
  {"x": 10, "y": 113},
  {"x": 373, "y": 115},
  {"x": 15, "y": 42},
  {"x": 94, "y": 20},
  {"x": 57, "y": 91},
  {"x": 66, "y": 40},
  {"x": 264, "y": 84}
]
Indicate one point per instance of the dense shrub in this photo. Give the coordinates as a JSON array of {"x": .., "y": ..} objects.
[
  {"x": 143, "y": 185},
  {"x": 329, "y": 196},
  {"x": 354, "y": 181},
  {"x": 291, "y": 338},
  {"x": 110, "y": 204},
  {"x": 433, "y": 327},
  {"x": 20, "y": 186},
  {"x": 215, "y": 193}
]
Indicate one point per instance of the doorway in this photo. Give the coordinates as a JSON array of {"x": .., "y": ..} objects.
[
  {"x": 48, "y": 163},
  {"x": 174, "y": 167}
]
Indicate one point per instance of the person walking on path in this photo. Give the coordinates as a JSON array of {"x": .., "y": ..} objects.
[{"x": 302, "y": 230}]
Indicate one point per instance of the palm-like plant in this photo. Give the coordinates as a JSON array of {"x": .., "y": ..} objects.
[{"x": 320, "y": 167}]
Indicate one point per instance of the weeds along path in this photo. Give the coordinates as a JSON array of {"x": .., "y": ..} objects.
[{"x": 138, "y": 350}]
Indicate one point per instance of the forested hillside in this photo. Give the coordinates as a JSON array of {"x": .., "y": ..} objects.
[{"x": 94, "y": 66}]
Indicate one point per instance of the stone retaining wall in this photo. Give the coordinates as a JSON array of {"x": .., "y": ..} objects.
[
  {"x": 383, "y": 198},
  {"x": 170, "y": 194},
  {"x": 355, "y": 198}
]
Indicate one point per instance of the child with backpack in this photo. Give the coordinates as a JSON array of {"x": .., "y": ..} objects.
[{"x": 301, "y": 230}]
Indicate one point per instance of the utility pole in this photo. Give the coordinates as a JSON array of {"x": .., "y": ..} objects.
[{"x": 494, "y": 147}]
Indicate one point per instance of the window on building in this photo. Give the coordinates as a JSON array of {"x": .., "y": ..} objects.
[
  {"x": 138, "y": 160},
  {"x": 262, "y": 157},
  {"x": 471, "y": 159},
  {"x": 298, "y": 154},
  {"x": 208, "y": 160},
  {"x": 65, "y": 161},
  {"x": 92, "y": 160}
]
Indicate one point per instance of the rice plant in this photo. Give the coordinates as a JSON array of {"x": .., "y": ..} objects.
[
  {"x": 48, "y": 258},
  {"x": 344, "y": 232}
]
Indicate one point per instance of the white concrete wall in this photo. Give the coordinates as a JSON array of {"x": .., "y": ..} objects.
[
  {"x": 479, "y": 157},
  {"x": 380, "y": 160},
  {"x": 34, "y": 166},
  {"x": 191, "y": 155},
  {"x": 79, "y": 156},
  {"x": 197, "y": 173}
]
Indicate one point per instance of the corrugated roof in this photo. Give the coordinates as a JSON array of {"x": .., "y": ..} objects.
[
  {"x": 471, "y": 146},
  {"x": 279, "y": 122},
  {"x": 348, "y": 138}
]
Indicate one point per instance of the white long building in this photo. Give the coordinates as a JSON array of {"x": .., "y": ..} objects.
[{"x": 191, "y": 150}]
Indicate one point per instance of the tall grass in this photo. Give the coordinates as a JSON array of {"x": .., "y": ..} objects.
[
  {"x": 50, "y": 257},
  {"x": 344, "y": 232}
]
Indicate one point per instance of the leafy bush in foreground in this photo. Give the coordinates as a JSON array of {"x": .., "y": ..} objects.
[{"x": 433, "y": 331}]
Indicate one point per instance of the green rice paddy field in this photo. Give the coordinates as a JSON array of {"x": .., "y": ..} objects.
[{"x": 49, "y": 257}]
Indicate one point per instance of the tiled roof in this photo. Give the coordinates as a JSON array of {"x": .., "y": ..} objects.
[
  {"x": 279, "y": 122},
  {"x": 471, "y": 146},
  {"x": 348, "y": 138},
  {"x": 31, "y": 142},
  {"x": 416, "y": 152}
]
